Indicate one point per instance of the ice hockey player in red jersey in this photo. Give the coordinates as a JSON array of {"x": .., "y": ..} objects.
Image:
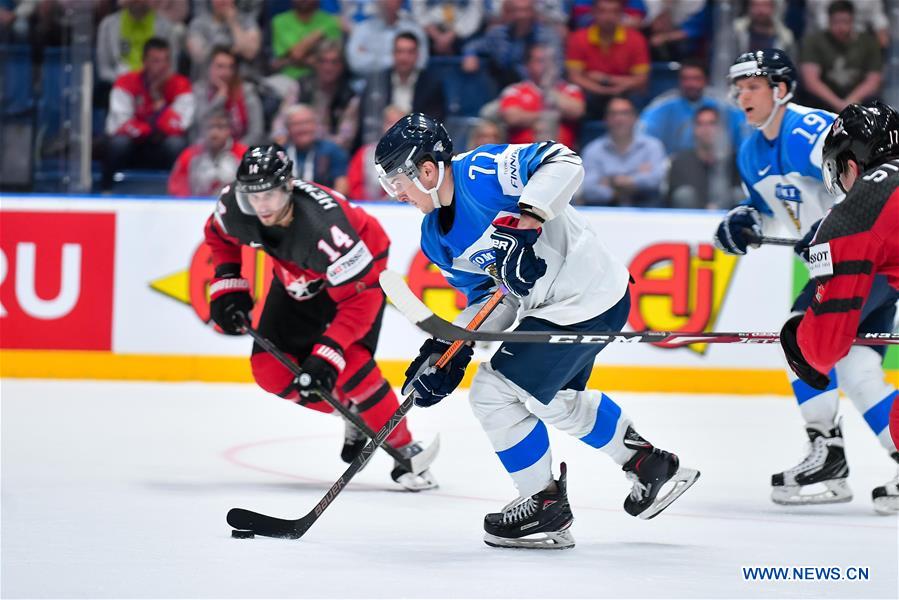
[
  {"x": 856, "y": 244},
  {"x": 324, "y": 307}
]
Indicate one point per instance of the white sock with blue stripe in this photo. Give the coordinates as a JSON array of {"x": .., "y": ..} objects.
[
  {"x": 862, "y": 379},
  {"x": 817, "y": 406},
  {"x": 590, "y": 416},
  {"x": 519, "y": 438}
]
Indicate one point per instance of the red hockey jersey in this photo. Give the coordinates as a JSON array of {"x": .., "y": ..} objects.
[
  {"x": 329, "y": 247},
  {"x": 857, "y": 240}
]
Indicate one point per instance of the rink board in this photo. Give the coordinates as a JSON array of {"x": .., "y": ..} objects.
[{"x": 116, "y": 288}]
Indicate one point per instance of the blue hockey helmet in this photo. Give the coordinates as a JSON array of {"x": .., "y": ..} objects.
[
  {"x": 866, "y": 133},
  {"x": 411, "y": 140}
]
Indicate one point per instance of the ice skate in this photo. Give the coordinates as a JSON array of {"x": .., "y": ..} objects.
[
  {"x": 409, "y": 480},
  {"x": 821, "y": 477},
  {"x": 650, "y": 469},
  {"x": 353, "y": 439},
  {"x": 539, "y": 521},
  {"x": 886, "y": 496}
]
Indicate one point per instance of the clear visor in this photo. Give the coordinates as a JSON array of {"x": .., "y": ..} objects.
[
  {"x": 265, "y": 203},
  {"x": 399, "y": 181},
  {"x": 830, "y": 172}
]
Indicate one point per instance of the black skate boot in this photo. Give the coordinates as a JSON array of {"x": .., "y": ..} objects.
[
  {"x": 539, "y": 521},
  {"x": 649, "y": 469},
  {"x": 353, "y": 439},
  {"x": 406, "y": 478},
  {"x": 821, "y": 477},
  {"x": 886, "y": 496}
]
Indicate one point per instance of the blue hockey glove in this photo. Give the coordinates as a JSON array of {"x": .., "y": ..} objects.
[
  {"x": 731, "y": 237},
  {"x": 429, "y": 384},
  {"x": 517, "y": 265},
  {"x": 802, "y": 246}
]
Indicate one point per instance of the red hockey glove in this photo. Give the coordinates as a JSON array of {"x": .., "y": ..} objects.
[
  {"x": 322, "y": 367},
  {"x": 230, "y": 302}
]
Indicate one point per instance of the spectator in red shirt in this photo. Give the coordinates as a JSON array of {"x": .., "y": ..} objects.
[
  {"x": 150, "y": 112},
  {"x": 525, "y": 108},
  {"x": 204, "y": 168},
  {"x": 607, "y": 59}
]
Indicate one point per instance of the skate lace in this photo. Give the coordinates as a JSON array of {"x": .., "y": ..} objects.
[
  {"x": 814, "y": 454},
  {"x": 518, "y": 510},
  {"x": 639, "y": 489}
]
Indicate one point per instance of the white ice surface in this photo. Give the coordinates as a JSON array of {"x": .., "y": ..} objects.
[{"x": 121, "y": 490}]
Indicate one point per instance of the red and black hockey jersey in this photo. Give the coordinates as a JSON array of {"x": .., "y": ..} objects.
[
  {"x": 329, "y": 247},
  {"x": 857, "y": 240}
]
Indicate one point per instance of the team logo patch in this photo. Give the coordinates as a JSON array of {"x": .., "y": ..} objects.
[
  {"x": 789, "y": 193},
  {"x": 820, "y": 261},
  {"x": 485, "y": 260}
]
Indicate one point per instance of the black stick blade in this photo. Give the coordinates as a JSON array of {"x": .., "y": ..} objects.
[{"x": 263, "y": 525}]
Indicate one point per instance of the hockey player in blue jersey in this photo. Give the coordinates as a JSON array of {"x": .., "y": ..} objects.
[
  {"x": 780, "y": 164},
  {"x": 501, "y": 214}
]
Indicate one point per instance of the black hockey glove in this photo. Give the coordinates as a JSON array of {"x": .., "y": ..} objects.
[
  {"x": 730, "y": 235},
  {"x": 797, "y": 362},
  {"x": 802, "y": 246},
  {"x": 517, "y": 265},
  {"x": 322, "y": 367},
  {"x": 429, "y": 384},
  {"x": 229, "y": 296}
]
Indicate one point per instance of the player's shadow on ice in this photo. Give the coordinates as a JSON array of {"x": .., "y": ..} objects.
[{"x": 285, "y": 487}]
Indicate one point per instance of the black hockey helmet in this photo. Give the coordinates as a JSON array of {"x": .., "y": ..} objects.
[
  {"x": 411, "y": 140},
  {"x": 866, "y": 133},
  {"x": 262, "y": 168},
  {"x": 771, "y": 63}
]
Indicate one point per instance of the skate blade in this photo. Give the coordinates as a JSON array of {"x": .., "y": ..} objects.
[
  {"x": 551, "y": 540},
  {"x": 886, "y": 505},
  {"x": 683, "y": 479},
  {"x": 421, "y": 461},
  {"x": 837, "y": 491},
  {"x": 417, "y": 483}
]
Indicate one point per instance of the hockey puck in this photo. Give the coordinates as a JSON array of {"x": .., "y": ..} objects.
[{"x": 242, "y": 534}]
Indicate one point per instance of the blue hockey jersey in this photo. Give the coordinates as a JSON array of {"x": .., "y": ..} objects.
[
  {"x": 582, "y": 280},
  {"x": 783, "y": 177}
]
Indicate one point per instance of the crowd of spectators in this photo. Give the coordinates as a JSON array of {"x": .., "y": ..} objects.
[{"x": 187, "y": 85}]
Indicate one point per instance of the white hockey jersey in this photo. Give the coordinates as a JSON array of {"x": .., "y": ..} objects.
[{"x": 582, "y": 277}]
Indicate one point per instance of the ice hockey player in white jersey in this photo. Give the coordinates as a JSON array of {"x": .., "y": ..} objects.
[
  {"x": 501, "y": 214},
  {"x": 780, "y": 164}
]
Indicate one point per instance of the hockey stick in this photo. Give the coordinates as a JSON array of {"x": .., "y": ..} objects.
[
  {"x": 265, "y": 525},
  {"x": 419, "y": 314},
  {"x": 416, "y": 464},
  {"x": 762, "y": 240}
]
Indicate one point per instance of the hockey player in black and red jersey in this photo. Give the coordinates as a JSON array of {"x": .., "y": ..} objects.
[
  {"x": 856, "y": 244},
  {"x": 324, "y": 306}
]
